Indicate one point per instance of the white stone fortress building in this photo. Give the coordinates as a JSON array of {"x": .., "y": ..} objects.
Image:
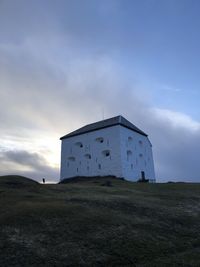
[{"x": 109, "y": 147}]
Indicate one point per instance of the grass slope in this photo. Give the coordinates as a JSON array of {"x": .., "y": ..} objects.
[
  {"x": 88, "y": 224},
  {"x": 16, "y": 181}
]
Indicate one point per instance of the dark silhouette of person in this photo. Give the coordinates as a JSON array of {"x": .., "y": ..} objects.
[{"x": 43, "y": 180}]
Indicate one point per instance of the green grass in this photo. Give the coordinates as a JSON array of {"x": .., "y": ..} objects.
[{"x": 84, "y": 223}]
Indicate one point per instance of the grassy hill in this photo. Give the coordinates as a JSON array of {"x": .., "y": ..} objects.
[
  {"x": 99, "y": 223},
  {"x": 16, "y": 181}
]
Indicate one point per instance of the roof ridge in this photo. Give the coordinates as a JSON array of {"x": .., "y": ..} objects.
[{"x": 117, "y": 120}]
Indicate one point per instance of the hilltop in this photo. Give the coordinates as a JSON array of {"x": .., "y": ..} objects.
[
  {"x": 100, "y": 222},
  {"x": 16, "y": 181}
]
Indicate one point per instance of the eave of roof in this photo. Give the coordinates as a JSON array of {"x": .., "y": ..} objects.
[{"x": 118, "y": 120}]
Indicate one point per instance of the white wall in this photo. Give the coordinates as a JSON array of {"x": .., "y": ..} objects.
[
  {"x": 136, "y": 155},
  {"x": 99, "y": 163},
  {"x": 130, "y": 153}
]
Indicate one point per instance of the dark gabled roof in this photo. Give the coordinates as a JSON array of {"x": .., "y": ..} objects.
[{"x": 118, "y": 120}]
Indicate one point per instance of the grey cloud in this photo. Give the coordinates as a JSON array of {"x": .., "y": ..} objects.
[
  {"x": 77, "y": 97},
  {"x": 32, "y": 165},
  {"x": 57, "y": 80},
  {"x": 24, "y": 158},
  {"x": 47, "y": 73},
  {"x": 74, "y": 20},
  {"x": 176, "y": 147},
  {"x": 38, "y": 92}
]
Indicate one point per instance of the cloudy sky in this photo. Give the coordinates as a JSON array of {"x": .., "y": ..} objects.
[{"x": 63, "y": 63}]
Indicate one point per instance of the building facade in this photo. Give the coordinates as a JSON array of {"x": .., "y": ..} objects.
[{"x": 110, "y": 147}]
